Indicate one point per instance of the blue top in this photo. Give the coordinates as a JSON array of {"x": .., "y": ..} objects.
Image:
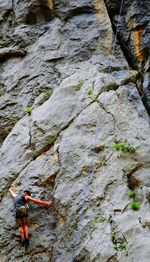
[{"x": 19, "y": 201}]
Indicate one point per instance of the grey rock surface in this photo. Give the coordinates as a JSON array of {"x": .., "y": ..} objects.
[
  {"x": 133, "y": 32},
  {"x": 47, "y": 45},
  {"x": 57, "y": 59}
]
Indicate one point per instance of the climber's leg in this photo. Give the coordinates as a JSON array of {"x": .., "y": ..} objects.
[
  {"x": 19, "y": 222},
  {"x": 26, "y": 231},
  {"x": 21, "y": 231}
]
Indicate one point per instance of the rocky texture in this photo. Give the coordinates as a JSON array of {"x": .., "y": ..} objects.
[
  {"x": 54, "y": 48},
  {"x": 133, "y": 33},
  {"x": 56, "y": 59}
]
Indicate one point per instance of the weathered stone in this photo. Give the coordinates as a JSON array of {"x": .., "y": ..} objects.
[
  {"x": 48, "y": 46},
  {"x": 130, "y": 20},
  {"x": 82, "y": 100},
  {"x": 8, "y": 52}
]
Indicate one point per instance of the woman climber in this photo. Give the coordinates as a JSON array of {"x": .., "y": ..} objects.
[{"x": 21, "y": 209}]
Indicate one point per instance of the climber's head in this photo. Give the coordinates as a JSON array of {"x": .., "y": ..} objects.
[{"x": 26, "y": 193}]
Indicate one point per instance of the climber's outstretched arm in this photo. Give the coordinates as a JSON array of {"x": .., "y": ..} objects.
[
  {"x": 37, "y": 201},
  {"x": 13, "y": 194}
]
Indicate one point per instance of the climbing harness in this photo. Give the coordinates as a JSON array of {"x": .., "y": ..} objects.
[{"x": 90, "y": 172}]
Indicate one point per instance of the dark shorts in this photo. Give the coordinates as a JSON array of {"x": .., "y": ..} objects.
[{"x": 21, "y": 216}]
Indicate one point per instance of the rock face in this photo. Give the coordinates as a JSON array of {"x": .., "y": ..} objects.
[
  {"x": 133, "y": 32},
  {"x": 66, "y": 102}
]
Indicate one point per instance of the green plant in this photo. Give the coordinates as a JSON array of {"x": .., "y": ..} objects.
[
  {"x": 93, "y": 98},
  {"x": 113, "y": 236},
  {"x": 47, "y": 91},
  {"x": 99, "y": 220},
  {"x": 120, "y": 246},
  {"x": 90, "y": 231},
  {"x": 75, "y": 225},
  {"x": 5, "y": 194},
  {"x": 2, "y": 92},
  {"x": 94, "y": 222},
  {"x": 102, "y": 219},
  {"x": 51, "y": 140},
  {"x": 89, "y": 91},
  {"x": 79, "y": 86},
  {"x": 103, "y": 162},
  {"x": 124, "y": 147},
  {"x": 131, "y": 194},
  {"x": 28, "y": 110},
  {"x": 134, "y": 205},
  {"x": 34, "y": 155}
]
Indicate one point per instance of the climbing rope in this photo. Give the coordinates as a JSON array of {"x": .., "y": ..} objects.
[
  {"x": 24, "y": 256},
  {"x": 90, "y": 172}
]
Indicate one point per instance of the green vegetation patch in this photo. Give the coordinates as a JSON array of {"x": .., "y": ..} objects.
[
  {"x": 131, "y": 194},
  {"x": 120, "y": 246},
  {"x": 28, "y": 111},
  {"x": 2, "y": 93},
  {"x": 34, "y": 155},
  {"x": 51, "y": 140},
  {"x": 99, "y": 220},
  {"x": 79, "y": 86},
  {"x": 47, "y": 91},
  {"x": 103, "y": 162},
  {"x": 93, "y": 99},
  {"x": 135, "y": 205},
  {"x": 89, "y": 91},
  {"x": 5, "y": 194},
  {"x": 113, "y": 236},
  {"x": 90, "y": 231},
  {"x": 124, "y": 147}
]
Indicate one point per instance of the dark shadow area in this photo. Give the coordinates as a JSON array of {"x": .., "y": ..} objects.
[
  {"x": 38, "y": 15},
  {"x": 79, "y": 11}
]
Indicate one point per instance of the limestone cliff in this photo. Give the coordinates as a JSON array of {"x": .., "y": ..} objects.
[{"x": 74, "y": 128}]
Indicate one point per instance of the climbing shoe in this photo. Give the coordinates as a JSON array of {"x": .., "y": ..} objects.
[
  {"x": 22, "y": 242},
  {"x": 26, "y": 243}
]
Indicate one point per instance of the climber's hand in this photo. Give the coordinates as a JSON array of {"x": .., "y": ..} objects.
[
  {"x": 13, "y": 194},
  {"x": 49, "y": 204}
]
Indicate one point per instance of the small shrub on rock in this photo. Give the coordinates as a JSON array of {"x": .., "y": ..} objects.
[
  {"x": 103, "y": 162},
  {"x": 96, "y": 221},
  {"x": 47, "y": 91},
  {"x": 135, "y": 206},
  {"x": 131, "y": 194},
  {"x": 51, "y": 140},
  {"x": 121, "y": 246},
  {"x": 99, "y": 220},
  {"x": 89, "y": 91},
  {"x": 28, "y": 111},
  {"x": 124, "y": 147},
  {"x": 93, "y": 99},
  {"x": 79, "y": 86},
  {"x": 113, "y": 236}
]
